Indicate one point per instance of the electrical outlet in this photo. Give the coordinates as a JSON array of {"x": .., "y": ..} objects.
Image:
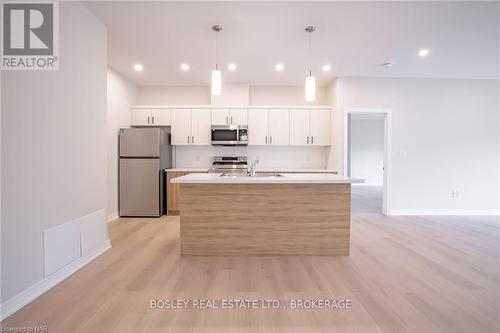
[{"x": 455, "y": 194}]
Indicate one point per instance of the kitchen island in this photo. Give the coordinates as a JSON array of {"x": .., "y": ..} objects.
[{"x": 280, "y": 214}]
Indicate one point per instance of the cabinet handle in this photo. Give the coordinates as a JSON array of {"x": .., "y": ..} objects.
[
  {"x": 231, "y": 120},
  {"x": 312, "y": 139},
  {"x": 227, "y": 120},
  {"x": 266, "y": 139},
  {"x": 270, "y": 139},
  {"x": 192, "y": 139},
  {"x": 153, "y": 119},
  {"x": 188, "y": 138},
  {"x": 148, "y": 119},
  {"x": 307, "y": 140}
]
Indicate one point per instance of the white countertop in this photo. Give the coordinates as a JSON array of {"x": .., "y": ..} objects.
[
  {"x": 187, "y": 170},
  {"x": 282, "y": 170},
  {"x": 288, "y": 178}
]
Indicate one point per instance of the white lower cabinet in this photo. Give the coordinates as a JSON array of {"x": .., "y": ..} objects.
[
  {"x": 310, "y": 127},
  {"x": 190, "y": 126}
]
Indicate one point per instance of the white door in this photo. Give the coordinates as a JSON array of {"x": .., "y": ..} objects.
[
  {"x": 181, "y": 126},
  {"x": 140, "y": 117},
  {"x": 320, "y": 127},
  {"x": 279, "y": 127},
  {"x": 200, "y": 126},
  {"x": 220, "y": 117},
  {"x": 299, "y": 128},
  {"x": 258, "y": 129},
  {"x": 238, "y": 117},
  {"x": 160, "y": 117}
]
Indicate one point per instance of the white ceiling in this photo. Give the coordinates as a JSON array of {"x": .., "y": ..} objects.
[{"x": 353, "y": 37}]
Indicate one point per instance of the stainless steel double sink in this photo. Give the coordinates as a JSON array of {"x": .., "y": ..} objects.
[{"x": 258, "y": 174}]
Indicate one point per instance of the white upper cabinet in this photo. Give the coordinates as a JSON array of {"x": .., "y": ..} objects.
[
  {"x": 320, "y": 127},
  {"x": 229, "y": 117},
  {"x": 279, "y": 128},
  {"x": 238, "y": 117},
  {"x": 220, "y": 116},
  {"x": 160, "y": 117},
  {"x": 200, "y": 127},
  {"x": 258, "y": 126},
  {"x": 190, "y": 126},
  {"x": 150, "y": 117},
  {"x": 310, "y": 127},
  {"x": 181, "y": 126},
  {"x": 268, "y": 127},
  {"x": 140, "y": 117},
  {"x": 299, "y": 127}
]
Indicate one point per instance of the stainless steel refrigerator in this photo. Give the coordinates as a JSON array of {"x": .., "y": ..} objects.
[{"x": 144, "y": 155}]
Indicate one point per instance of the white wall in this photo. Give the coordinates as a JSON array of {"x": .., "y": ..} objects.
[
  {"x": 200, "y": 95},
  {"x": 121, "y": 94},
  {"x": 269, "y": 157},
  {"x": 53, "y": 147},
  {"x": 445, "y": 137},
  {"x": 285, "y": 95},
  {"x": 367, "y": 150},
  {"x": 174, "y": 95}
]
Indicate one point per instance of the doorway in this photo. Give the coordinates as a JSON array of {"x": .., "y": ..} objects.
[{"x": 367, "y": 138}]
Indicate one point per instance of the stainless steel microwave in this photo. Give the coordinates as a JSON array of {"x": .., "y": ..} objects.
[{"x": 229, "y": 135}]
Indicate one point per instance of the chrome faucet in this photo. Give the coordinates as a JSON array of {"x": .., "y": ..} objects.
[{"x": 251, "y": 169}]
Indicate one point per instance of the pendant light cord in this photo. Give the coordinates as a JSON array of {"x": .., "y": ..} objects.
[
  {"x": 310, "y": 53},
  {"x": 216, "y": 49}
]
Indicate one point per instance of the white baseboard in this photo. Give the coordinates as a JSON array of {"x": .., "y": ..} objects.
[
  {"x": 456, "y": 212},
  {"x": 112, "y": 217},
  {"x": 26, "y": 296}
]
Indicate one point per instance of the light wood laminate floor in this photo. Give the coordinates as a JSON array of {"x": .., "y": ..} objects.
[{"x": 404, "y": 274}]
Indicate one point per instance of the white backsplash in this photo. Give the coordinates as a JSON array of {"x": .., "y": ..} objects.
[{"x": 289, "y": 157}]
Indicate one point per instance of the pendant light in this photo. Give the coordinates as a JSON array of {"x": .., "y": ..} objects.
[
  {"x": 310, "y": 85},
  {"x": 216, "y": 74}
]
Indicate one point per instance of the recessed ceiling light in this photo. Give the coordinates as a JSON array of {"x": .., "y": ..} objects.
[
  {"x": 279, "y": 67},
  {"x": 423, "y": 52},
  {"x": 326, "y": 68},
  {"x": 185, "y": 67},
  {"x": 232, "y": 67},
  {"x": 386, "y": 64},
  {"x": 138, "y": 67}
]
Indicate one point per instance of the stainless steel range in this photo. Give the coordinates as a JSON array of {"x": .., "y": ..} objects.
[{"x": 229, "y": 164}]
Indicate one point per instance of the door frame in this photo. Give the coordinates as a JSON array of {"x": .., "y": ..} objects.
[{"x": 387, "y": 187}]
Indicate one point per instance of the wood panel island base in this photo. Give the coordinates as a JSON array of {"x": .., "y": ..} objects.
[{"x": 244, "y": 216}]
